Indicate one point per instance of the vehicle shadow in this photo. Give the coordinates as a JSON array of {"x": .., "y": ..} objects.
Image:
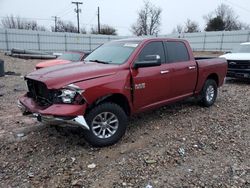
[{"x": 166, "y": 111}]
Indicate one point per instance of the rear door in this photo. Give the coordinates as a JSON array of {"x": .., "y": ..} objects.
[
  {"x": 184, "y": 70},
  {"x": 150, "y": 83}
]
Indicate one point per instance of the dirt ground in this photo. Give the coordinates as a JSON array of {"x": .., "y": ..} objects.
[{"x": 181, "y": 145}]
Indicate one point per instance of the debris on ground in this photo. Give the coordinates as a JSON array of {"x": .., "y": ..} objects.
[
  {"x": 31, "y": 175},
  {"x": 91, "y": 166},
  {"x": 30, "y": 54},
  {"x": 181, "y": 152},
  {"x": 77, "y": 183},
  {"x": 150, "y": 161},
  {"x": 20, "y": 135},
  {"x": 149, "y": 186},
  {"x": 11, "y": 73}
]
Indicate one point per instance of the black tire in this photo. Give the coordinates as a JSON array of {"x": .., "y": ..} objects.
[
  {"x": 96, "y": 114},
  {"x": 209, "y": 93}
]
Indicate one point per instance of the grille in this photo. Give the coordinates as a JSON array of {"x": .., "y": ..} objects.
[
  {"x": 39, "y": 92},
  {"x": 238, "y": 64}
]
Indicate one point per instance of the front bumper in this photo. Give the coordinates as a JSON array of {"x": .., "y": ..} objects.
[
  {"x": 54, "y": 114},
  {"x": 238, "y": 73}
]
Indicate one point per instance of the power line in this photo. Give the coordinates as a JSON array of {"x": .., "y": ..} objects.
[
  {"x": 64, "y": 10},
  {"x": 77, "y": 10},
  {"x": 67, "y": 12},
  {"x": 91, "y": 20},
  {"x": 234, "y": 4}
]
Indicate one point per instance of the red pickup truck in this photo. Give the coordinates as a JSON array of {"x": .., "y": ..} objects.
[{"x": 117, "y": 80}]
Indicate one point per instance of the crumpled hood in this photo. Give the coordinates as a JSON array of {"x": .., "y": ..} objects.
[
  {"x": 53, "y": 62},
  {"x": 59, "y": 76},
  {"x": 237, "y": 56}
]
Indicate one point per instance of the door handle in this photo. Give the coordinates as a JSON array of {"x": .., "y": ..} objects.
[
  {"x": 191, "y": 67},
  {"x": 164, "y": 71}
]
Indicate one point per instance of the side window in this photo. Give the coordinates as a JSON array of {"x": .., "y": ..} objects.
[
  {"x": 153, "y": 48},
  {"x": 176, "y": 52}
]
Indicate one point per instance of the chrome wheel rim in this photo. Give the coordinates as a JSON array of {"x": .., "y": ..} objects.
[
  {"x": 105, "y": 125},
  {"x": 210, "y": 93}
]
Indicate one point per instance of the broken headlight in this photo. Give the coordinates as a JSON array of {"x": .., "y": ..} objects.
[{"x": 69, "y": 95}]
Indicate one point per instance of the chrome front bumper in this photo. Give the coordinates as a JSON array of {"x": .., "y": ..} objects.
[{"x": 79, "y": 120}]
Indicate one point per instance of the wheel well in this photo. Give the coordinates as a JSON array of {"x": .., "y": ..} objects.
[
  {"x": 214, "y": 77},
  {"x": 118, "y": 99}
]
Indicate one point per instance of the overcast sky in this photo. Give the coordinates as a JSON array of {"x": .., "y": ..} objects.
[{"x": 120, "y": 13}]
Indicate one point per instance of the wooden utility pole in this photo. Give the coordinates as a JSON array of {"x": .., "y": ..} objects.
[
  {"x": 98, "y": 19},
  {"x": 77, "y": 10},
  {"x": 55, "y": 18}
]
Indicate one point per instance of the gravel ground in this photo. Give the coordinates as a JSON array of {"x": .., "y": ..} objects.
[{"x": 181, "y": 145}]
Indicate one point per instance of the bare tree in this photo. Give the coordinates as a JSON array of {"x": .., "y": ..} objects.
[
  {"x": 83, "y": 31},
  {"x": 11, "y": 22},
  {"x": 245, "y": 26},
  {"x": 179, "y": 29},
  {"x": 223, "y": 18},
  {"x": 105, "y": 30},
  {"x": 191, "y": 27},
  {"x": 148, "y": 21},
  {"x": 64, "y": 26}
]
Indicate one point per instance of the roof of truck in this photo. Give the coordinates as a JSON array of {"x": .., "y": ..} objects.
[{"x": 139, "y": 39}]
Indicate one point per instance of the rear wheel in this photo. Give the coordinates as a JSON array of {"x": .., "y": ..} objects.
[
  {"x": 107, "y": 123},
  {"x": 209, "y": 93}
]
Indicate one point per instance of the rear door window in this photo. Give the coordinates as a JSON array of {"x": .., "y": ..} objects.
[{"x": 176, "y": 51}]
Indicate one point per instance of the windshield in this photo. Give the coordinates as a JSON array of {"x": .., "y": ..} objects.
[
  {"x": 113, "y": 52},
  {"x": 243, "y": 48},
  {"x": 70, "y": 56}
]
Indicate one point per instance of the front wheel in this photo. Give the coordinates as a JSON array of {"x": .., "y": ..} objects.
[
  {"x": 107, "y": 123},
  {"x": 209, "y": 93}
]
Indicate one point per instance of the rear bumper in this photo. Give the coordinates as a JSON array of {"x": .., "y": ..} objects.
[{"x": 54, "y": 114}]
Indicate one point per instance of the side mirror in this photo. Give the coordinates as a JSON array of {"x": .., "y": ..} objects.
[{"x": 149, "y": 61}]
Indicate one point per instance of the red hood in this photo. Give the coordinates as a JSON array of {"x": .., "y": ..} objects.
[
  {"x": 50, "y": 63},
  {"x": 58, "y": 76}
]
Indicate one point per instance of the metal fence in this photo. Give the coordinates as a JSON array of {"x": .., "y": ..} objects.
[
  {"x": 58, "y": 42},
  {"x": 214, "y": 41},
  {"x": 50, "y": 41}
]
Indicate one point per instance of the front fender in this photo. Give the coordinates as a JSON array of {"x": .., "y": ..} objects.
[{"x": 95, "y": 89}]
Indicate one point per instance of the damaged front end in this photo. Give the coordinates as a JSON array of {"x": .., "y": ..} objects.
[{"x": 65, "y": 105}]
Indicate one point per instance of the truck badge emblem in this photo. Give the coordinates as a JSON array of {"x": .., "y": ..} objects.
[{"x": 140, "y": 86}]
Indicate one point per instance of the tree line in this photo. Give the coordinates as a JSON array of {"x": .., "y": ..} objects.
[
  {"x": 223, "y": 18},
  {"x": 12, "y": 22},
  {"x": 148, "y": 22}
]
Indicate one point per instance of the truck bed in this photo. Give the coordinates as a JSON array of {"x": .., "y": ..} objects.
[{"x": 211, "y": 66}]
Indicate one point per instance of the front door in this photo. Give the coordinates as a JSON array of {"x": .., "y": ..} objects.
[{"x": 150, "y": 83}]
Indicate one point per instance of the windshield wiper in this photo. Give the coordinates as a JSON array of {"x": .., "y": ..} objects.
[{"x": 98, "y": 61}]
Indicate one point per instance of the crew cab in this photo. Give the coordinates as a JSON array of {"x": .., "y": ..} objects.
[
  {"x": 239, "y": 62},
  {"x": 117, "y": 80}
]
